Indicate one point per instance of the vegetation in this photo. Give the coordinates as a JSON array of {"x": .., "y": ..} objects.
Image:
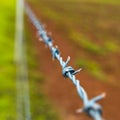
[
  {"x": 92, "y": 26},
  {"x": 7, "y": 67},
  {"x": 95, "y": 1},
  {"x": 92, "y": 67},
  {"x": 41, "y": 108},
  {"x": 84, "y": 42}
]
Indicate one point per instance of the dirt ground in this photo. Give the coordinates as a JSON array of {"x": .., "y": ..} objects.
[{"x": 62, "y": 92}]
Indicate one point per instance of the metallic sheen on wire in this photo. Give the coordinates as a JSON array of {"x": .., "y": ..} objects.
[{"x": 92, "y": 108}]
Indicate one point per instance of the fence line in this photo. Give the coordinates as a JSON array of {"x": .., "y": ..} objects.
[
  {"x": 23, "y": 101},
  {"x": 92, "y": 108}
]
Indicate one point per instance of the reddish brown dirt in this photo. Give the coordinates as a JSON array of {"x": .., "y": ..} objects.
[{"x": 62, "y": 92}]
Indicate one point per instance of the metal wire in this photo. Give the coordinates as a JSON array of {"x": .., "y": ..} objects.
[
  {"x": 22, "y": 85},
  {"x": 92, "y": 108}
]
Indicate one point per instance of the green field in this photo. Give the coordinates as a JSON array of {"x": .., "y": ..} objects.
[
  {"x": 7, "y": 67},
  {"x": 113, "y": 2},
  {"x": 39, "y": 102}
]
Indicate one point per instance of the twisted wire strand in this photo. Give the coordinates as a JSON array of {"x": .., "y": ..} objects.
[{"x": 92, "y": 108}]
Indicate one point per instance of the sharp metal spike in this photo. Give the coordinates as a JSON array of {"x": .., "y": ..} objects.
[
  {"x": 79, "y": 110},
  {"x": 82, "y": 93},
  {"x": 77, "y": 71},
  {"x": 40, "y": 39}
]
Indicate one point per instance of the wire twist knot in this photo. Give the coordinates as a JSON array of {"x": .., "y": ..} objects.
[
  {"x": 93, "y": 109},
  {"x": 67, "y": 70},
  {"x": 55, "y": 52},
  {"x": 90, "y": 106}
]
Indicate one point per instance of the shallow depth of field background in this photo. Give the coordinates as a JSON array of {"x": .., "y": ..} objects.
[{"x": 89, "y": 32}]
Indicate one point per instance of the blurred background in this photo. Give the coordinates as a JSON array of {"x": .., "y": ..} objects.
[{"x": 89, "y": 32}]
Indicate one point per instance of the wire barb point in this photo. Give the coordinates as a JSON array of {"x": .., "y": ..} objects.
[
  {"x": 40, "y": 39},
  {"x": 90, "y": 106},
  {"x": 77, "y": 71},
  {"x": 79, "y": 110}
]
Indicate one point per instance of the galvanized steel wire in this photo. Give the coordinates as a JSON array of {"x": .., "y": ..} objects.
[{"x": 92, "y": 108}]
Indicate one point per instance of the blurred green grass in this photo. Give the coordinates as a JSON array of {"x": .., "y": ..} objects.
[
  {"x": 39, "y": 102},
  {"x": 95, "y": 1},
  {"x": 7, "y": 67},
  {"x": 92, "y": 67},
  {"x": 84, "y": 42},
  {"x": 92, "y": 47}
]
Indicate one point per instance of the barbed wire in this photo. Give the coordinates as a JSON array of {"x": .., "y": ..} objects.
[{"x": 92, "y": 108}]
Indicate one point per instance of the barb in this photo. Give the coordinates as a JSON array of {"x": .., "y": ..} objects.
[{"x": 90, "y": 106}]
